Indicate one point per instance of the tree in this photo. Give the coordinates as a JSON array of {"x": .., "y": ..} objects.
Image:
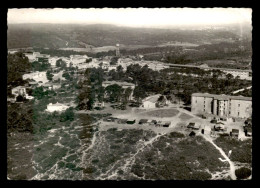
[
  {"x": 86, "y": 98},
  {"x": 243, "y": 173},
  {"x": 38, "y": 93},
  {"x": 119, "y": 68},
  {"x": 17, "y": 65},
  {"x": 67, "y": 76},
  {"x": 100, "y": 94},
  {"x": 128, "y": 92},
  {"x": 88, "y": 60},
  {"x": 114, "y": 92},
  {"x": 114, "y": 60},
  {"x": 60, "y": 63},
  {"x": 139, "y": 93},
  {"x": 49, "y": 75},
  {"x": 68, "y": 115},
  {"x": 229, "y": 76}
]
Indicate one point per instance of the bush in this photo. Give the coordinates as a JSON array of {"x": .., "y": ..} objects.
[
  {"x": 176, "y": 135},
  {"x": 67, "y": 115},
  {"x": 243, "y": 173}
]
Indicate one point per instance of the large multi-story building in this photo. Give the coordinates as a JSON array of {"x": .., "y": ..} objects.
[{"x": 221, "y": 105}]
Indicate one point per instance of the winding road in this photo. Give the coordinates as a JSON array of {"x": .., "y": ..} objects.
[{"x": 231, "y": 164}]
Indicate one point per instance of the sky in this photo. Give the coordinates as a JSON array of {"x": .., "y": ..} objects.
[{"x": 136, "y": 17}]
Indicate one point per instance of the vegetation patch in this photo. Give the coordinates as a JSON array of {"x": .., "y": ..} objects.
[
  {"x": 241, "y": 150},
  {"x": 243, "y": 173}
]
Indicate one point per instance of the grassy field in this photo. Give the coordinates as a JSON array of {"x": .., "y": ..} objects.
[
  {"x": 162, "y": 113},
  {"x": 184, "y": 116}
]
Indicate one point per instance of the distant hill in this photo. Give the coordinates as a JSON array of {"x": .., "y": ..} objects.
[{"x": 81, "y": 36}]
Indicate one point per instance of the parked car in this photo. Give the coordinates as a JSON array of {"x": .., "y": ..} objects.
[
  {"x": 191, "y": 125},
  {"x": 213, "y": 121}
]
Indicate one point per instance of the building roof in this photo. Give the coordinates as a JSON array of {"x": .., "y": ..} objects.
[
  {"x": 143, "y": 120},
  {"x": 235, "y": 131},
  {"x": 118, "y": 83},
  {"x": 222, "y": 97},
  {"x": 19, "y": 87},
  {"x": 152, "y": 98},
  {"x": 56, "y": 104}
]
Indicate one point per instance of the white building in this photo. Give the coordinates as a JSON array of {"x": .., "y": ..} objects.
[
  {"x": 78, "y": 59},
  {"x": 21, "y": 90},
  {"x": 150, "y": 102},
  {"x": 221, "y": 105},
  {"x": 34, "y": 56},
  {"x": 53, "y": 60},
  {"x": 112, "y": 67},
  {"x": 51, "y": 86},
  {"x": 105, "y": 65},
  {"x": 37, "y": 76},
  {"x": 58, "y": 107}
]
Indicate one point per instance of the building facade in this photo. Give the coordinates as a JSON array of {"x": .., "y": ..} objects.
[
  {"x": 56, "y": 107},
  {"x": 150, "y": 102},
  {"x": 221, "y": 105}
]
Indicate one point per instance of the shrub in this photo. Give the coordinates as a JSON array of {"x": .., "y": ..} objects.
[
  {"x": 67, "y": 115},
  {"x": 176, "y": 135},
  {"x": 243, "y": 173}
]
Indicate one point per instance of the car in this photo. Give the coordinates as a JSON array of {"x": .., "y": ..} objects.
[
  {"x": 213, "y": 121},
  {"x": 203, "y": 117},
  {"x": 191, "y": 125}
]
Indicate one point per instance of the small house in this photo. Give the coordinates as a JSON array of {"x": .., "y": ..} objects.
[
  {"x": 21, "y": 90},
  {"x": 130, "y": 121},
  {"x": 143, "y": 121},
  {"x": 150, "y": 102}
]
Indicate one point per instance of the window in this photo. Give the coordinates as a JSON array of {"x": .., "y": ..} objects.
[
  {"x": 238, "y": 105},
  {"x": 238, "y": 114}
]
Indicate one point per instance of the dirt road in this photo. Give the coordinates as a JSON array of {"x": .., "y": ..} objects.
[{"x": 232, "y": 166}]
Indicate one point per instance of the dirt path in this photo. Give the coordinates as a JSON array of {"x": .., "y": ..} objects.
[{"x": 232, "y": 166}]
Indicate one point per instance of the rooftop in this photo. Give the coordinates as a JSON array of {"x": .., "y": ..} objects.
[
  {"x": 118, "y": 83},
  {"x": 222, "y": 97},
  {"x": 152, "y": 98}
]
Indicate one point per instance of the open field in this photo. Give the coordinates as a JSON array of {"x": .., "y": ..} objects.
[{"x": 162, "y": 113}]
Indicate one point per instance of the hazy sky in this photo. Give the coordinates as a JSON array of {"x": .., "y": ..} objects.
[{"x": 132, "y": 16}]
